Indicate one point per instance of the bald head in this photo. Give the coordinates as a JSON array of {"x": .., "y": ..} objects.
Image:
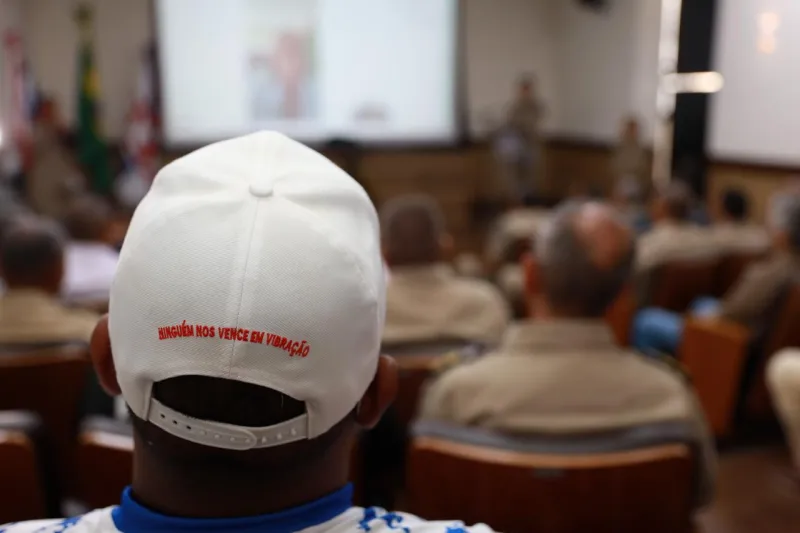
[
  {"x": 413, "y": 230},
  {"x": 31, "y": 255},
  {"x": 585, "y": 256}
]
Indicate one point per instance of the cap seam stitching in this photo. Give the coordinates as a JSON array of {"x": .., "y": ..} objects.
[{"x": 244, "y": 279}]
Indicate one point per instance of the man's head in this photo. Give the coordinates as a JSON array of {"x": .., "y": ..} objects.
[
  {"x": 735, "y": 206},
  {"x": 673, "y": 203},
  {"x": 783, "y": 221},
  {"x": 245, "y": 325},
  {"x": 32, "y": 255},
  {"x": 583, "y": 259},
  {"x": 413, "y": 231},
  {"x": 88, "y": 219}
]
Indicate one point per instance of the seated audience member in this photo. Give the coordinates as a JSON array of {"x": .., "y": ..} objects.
[
  {"x": 732, "y": 234},
  {"x": 783, "y": 378},
  {"x": 672, "y": 238},
  {"x": 512, "y": 227},
  {"x": 425, "y": 299},
  {"x": 514, "y": 230},
  {"x": 32, "y": 262},
  {"x": 751, "y": 298},
  {"x": 244, "y": 335},
  {"x": 90, "y": 261},
  {"x": 562, "y": 372}
]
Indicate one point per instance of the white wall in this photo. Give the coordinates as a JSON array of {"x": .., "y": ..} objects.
[
  {"x": 756, "y": 116},
  {"x": 10, "y": 17},
  {"x": 503, "y": 40},
  {"x": 607, "y": 66},
  {"x": 122, "y": 30},
  {"x": 592, "y": 69}
]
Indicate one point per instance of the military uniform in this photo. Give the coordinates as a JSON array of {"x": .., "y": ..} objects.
[
  {"x": 31, "y": 316},
  {"x": 568, "y": 377},
  {"x": 731, "y": 238},
  {"x": 758, "y": 288},
  {"x": 432, "y": 302}
]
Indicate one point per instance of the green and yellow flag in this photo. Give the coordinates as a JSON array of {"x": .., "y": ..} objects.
[{"x": 92, "y": 149}]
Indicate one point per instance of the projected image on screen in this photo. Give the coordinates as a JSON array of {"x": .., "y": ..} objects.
[
  {"x": 281, "y": 68},
  {"x": 367, "y": 70}
]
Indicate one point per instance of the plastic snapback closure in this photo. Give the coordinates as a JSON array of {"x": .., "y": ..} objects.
[{"x": 227, "y": 436}]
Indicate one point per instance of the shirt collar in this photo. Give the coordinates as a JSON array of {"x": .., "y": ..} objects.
[
  {"x": 132, "y": 517},
  {"x": 557, "y": 335}
]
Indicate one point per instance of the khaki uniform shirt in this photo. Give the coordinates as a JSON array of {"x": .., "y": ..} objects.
[
  {"x": 730, "y": 238},
  {"x": 525, "y": 116},
  {"x": 758, "y": 288},
  {"x": 431, "y": 302},
  {"x": 672, "y": 241},
  {"x": 31, "y": 316},
  {"x": 666, "y": 242},
  {"x": 567, "y": 377},
  {"x": 630, "y": 159}
]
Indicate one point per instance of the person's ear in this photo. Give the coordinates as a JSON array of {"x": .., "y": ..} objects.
[
  {"x": 100, "y": 352},
  {"x": 379, "y": 395}
]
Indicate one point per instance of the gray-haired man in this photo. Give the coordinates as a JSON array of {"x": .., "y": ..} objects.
[{"x": 562, "y": 372}]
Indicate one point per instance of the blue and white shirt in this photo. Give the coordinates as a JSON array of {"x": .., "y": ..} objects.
[{"x": 333, "y": 513}]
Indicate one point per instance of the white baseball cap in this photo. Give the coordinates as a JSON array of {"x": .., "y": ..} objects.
[{"x": 254, "y": 259}]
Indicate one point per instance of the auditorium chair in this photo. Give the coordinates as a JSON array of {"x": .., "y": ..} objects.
[
  {"x": 416, "y": 362},
  {"x": 731, "y": 268},
  {"x": 49, "y": 380},
  {"x": 678, "y": 283},
  {"x": 726, "y": 362},
  {"x": 619, "y": 317},
  {"x": 104, "y": 460},
  {"x": 627, "y": 481},
  {"x": 714, "y": 352},
  {"x": 22, "y": 496}
]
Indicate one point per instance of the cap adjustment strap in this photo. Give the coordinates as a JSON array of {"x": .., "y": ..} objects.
[{"x": 227, "y": 436}]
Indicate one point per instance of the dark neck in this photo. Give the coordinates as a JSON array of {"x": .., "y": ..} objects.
[{"x": 199, "y": 495}]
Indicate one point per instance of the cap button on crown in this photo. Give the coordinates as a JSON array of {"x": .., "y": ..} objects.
[{"x": 261, "y": 190}]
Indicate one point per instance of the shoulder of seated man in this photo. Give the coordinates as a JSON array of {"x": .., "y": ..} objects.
[{"x": 669, "y": 364}]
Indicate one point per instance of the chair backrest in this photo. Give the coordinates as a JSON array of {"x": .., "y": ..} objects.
[
  {"x": 783, "y": 333},
  {"x": 105, "y": 461},
  {"x": 678, "y": 283},
  {"x": 731, "y": 268},
  {"x": 619, "y": 317},
  {"x": 24, "y": 495},
  {"x": 49, "y": 383},
  {"x": 515, "y": 486},
  {"x": 416, "y": 361}
]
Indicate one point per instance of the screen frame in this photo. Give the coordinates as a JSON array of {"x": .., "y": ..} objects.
[{"x": 459, "y": 98}]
